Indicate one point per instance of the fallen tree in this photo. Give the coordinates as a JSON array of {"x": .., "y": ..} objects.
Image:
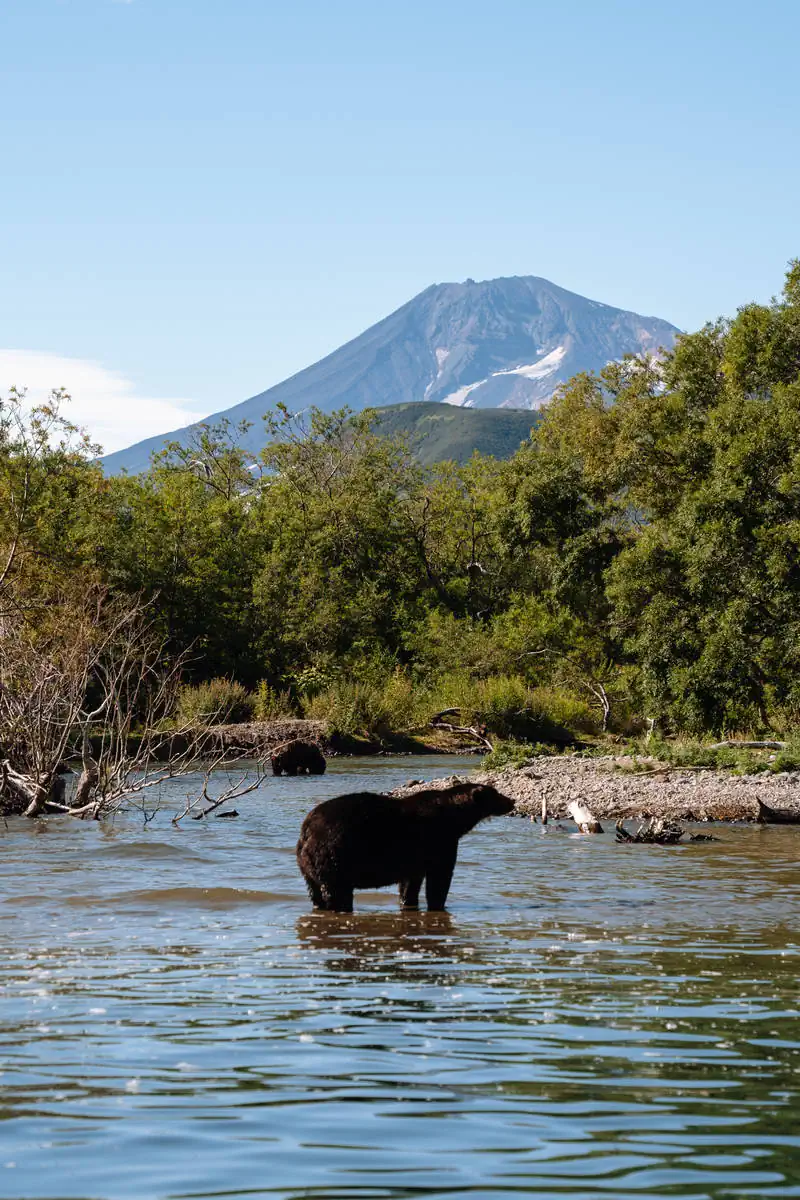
[{"x": 477, "y": 732}]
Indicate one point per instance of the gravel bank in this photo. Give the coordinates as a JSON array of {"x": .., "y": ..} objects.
[
  {"x": 612, "y": 789},
  {"x": 261, "y": 737}
]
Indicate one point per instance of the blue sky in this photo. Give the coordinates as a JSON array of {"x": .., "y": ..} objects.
[{"x": 200, "y": 198}]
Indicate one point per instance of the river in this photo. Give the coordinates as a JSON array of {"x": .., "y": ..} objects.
[{"x": 589, "y": 1020}]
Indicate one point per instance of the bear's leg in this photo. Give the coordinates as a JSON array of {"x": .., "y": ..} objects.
[
  {"x": 338, "y": 898},
  {"x": 316, "y": 893},
  {"x": 439, "y": 875},
  {"x": 409, "y": 891},
  {"x": 291, "y": 770}
]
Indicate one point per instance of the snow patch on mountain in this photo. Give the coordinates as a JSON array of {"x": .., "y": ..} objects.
[
  {"x": 540, "y": 369},
  {"x": 459, "y": 397}
]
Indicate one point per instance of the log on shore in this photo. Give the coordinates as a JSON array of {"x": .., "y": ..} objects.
[
  {"x": 734, "y": 745},
  {"x": 776, "y": 816}
]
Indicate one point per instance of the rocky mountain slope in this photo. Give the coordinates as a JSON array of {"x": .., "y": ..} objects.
[{"x": 500, "y": 343}]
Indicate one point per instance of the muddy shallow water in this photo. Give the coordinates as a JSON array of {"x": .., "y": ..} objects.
[{"x": 589, "y": 1020}]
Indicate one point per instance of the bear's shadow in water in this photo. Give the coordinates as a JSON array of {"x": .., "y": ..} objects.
[{"x": 394, "y": 942}]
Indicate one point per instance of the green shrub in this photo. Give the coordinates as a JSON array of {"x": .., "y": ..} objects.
[
  {"x": 372, "y": 708},
  {"x": 351, "y": 707},
  {"x": 787, "y": 760},
  {"x": 218, "y": 702},
  {"x": 509, "y": 754},
  {"x": 512, "y": 710},
  {"x": 269, "y": 705},
  {"x": 312, "y": 680},
  {"x": 566, "y": 709}
]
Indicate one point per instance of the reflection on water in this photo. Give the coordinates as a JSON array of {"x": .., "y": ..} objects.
[{"x": 589, "y": 1020}]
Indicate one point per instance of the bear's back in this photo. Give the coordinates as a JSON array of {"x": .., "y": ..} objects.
[{"x": 354, "y": 812}]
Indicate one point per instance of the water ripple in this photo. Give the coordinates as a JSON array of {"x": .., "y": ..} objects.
[{"x": 588, "y": 1022}]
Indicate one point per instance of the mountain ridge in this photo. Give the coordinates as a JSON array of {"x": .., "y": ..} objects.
[{"x": 498, "y": 343}]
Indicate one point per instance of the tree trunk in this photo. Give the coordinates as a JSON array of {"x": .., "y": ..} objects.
[
  {"x": 22, "y": 793},
  {"x": 586, "y": 821}
]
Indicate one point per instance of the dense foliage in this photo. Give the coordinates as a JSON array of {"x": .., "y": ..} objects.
[{"x": 636, "y": 559}]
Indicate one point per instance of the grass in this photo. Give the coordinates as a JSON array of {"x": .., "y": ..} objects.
[
  {"x": 506, "y": 705},
  {"x": 685, "y": 752},
  {"x": 271, "y": 705},
  {"x": 218, "y": 702}
]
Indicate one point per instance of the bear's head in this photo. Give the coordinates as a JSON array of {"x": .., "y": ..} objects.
[{"x": 491, "y": 802}]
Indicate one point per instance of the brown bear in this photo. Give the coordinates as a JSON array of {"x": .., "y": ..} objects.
[
  {"x": 298, "y": 758},
  {"x": 366, "y": 840}
]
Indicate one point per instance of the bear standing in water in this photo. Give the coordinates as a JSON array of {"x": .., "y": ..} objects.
[
  {"x": 366, "y": 840},
  {"x": 298, "y": 757}
]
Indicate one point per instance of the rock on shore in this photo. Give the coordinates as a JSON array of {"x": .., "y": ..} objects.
[{"x": 612, "y": 788}]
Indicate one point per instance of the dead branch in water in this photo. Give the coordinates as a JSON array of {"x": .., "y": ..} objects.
[
  {"x": 654, "y": 831},
  {"x": 235, "y": 789}
]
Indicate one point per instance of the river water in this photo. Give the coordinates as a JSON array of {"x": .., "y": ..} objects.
[{"x": 589, "y": 1020}]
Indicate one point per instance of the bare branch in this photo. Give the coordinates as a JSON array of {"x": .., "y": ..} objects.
[{"x": 243, "y": 787}]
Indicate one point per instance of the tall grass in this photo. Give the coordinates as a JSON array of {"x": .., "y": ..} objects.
[
  {"x": 505, "y": 704},
  {"x": 218, "y": 702},
  {"x": 369, "y": 709},
  {"x": 271, "y": 705}
]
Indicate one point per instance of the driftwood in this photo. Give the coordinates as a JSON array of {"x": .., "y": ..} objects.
[
  {"x": 734, "y": 745},
  {"x": 669, "y": 769},
  {"x": 776, "y": 816},
  {"x": 586, "y": 821},
  {"x": 436, "y": 722},
  {"x": 654, "y": 831}
]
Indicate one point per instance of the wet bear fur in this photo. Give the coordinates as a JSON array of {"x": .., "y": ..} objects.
[
  {"x": 298, "y": 758},
  {"x": 367, "y": 840}
]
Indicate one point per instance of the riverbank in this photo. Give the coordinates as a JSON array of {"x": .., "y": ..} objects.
[
  {"x": 259, "y": 738},
  {"x": 621, "y": 787}
]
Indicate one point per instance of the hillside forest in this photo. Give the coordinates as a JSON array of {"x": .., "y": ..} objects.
[{"x": 635, "y": 563}]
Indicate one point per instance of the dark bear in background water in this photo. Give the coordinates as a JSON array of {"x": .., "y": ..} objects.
[
  {"x": 298, "y": 758},
  {"x": 365, "y": 840}
]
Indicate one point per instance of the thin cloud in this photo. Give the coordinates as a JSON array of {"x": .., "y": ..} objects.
[{"x": 104, "y": 402}]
